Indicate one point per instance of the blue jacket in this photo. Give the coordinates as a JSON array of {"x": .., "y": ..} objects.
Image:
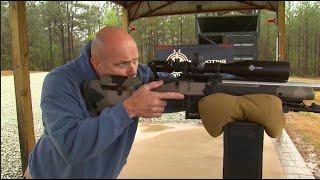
[{"x": 76, "y": 144}]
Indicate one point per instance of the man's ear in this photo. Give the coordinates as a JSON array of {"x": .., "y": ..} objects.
[{"x": 95, "y": 64}]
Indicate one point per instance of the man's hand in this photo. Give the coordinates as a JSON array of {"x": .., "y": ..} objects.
[{"x": 146, "y": 103}]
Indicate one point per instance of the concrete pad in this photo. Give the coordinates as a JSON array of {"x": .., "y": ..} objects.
[{"x": 185, "y": 151}]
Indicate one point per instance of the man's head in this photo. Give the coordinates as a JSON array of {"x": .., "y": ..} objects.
[{"x": 114, "y": 52}]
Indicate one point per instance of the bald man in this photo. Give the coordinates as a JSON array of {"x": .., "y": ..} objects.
[{"x": 77, "y": 143}]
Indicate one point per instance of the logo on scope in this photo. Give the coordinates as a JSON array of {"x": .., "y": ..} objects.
[{"x": 178, "y": 56}]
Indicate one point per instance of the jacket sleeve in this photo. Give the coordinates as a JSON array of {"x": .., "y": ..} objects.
[{"x": 75, "y": 137}]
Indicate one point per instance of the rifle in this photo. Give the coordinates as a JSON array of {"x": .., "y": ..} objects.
[
  {"x": 198, "y": 79},
  {"x": 242, "y": 141}
]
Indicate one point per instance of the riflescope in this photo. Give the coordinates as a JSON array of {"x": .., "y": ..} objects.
[{"x": 274, "y": 71}]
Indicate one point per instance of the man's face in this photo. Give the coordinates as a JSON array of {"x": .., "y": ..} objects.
[{"x": 119, "y": 60}]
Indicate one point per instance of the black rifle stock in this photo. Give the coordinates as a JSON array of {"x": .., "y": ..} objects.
[{"x": 199, "y": 79}]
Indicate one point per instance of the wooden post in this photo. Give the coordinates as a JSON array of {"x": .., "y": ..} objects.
[
  {"x": 20, "y": 62},
  {"x": 281, "y": 31},
  {"x": 125, "y": 19}
]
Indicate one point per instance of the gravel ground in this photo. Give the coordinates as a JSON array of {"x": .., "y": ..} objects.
[{"x": 10, "y": 149}]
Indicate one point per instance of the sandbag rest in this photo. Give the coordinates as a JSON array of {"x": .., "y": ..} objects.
[{"x": 219, "y": 109}]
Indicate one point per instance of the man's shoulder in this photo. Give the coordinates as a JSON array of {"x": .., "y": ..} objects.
[
  {"x": 144, "y": 68},
  {"x": 58, "y": 77},
  {"x": 58, "y": 83},
  {"x": 144, "y": 73},
  {"x": 57, "y": 73}
]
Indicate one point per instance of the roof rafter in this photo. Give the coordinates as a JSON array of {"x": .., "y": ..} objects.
[
  {"x": 152, "y": 11},
  {"x": 149, "y": 6},
  {"x": 252, "y": 4},
  {"x": 140, "y": 2},
  {"x": 201, "y": 11}
]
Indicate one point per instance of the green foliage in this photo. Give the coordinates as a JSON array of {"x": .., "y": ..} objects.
[
  {"x": 6, "y": 62},
  {"x": 267, "y": 37},
  {"x": 112, "y": 17},
  {"x": 302, "y": 35}
]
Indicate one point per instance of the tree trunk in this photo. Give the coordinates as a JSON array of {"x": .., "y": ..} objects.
[
  {"x": 69, "y": 42},
  {"x": 288, "y": 49},
  {"x": 148, "y": 45},
  {"x": 315, "y": 67},
  {"x": 64, "y": 58},
  {"x": 267, "y": 44},
  {"x": 142, "y": 53},
  {"x": 157, "y": 37},
  {"x": 300, "y": 52},
  {"x": 50, "y": 46},
  {"x": 71, "y": 29},
  {"x": 318, "y": 49},
  {"x": 72, "y": 46},
  {"x": 68, "y": 32},
  {"x": 172, "y": 32},
  {"x": 306, "y": 56},
  {"x": 181, "y": 29}
]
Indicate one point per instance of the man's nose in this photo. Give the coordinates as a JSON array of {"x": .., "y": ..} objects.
[{"x": 132, "y": 70}]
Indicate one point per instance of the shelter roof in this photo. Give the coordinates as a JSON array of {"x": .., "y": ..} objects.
[{"x": 140, "y": 9}]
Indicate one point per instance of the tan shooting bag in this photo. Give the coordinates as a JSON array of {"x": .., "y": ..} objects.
[{"x": 218, "y": 109}]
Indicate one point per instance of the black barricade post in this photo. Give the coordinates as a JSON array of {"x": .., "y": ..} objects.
[{"x": 243, "y": 150}]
